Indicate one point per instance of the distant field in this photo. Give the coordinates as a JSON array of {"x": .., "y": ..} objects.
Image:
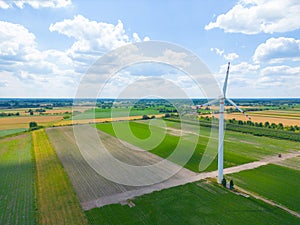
[
  {"x": 286, "y": 117},
  {"x": 4, "y": 133},
  {"x": 117, "y": 112},
  {"x": 195, "y": 203},
  {"x": 277, "y": 183},
  {"x": 16, "y": 181},
  {"x": 56, "y": 200},
  {"x": 100, "y": 120},
  {"x": 23, "y": 121}
]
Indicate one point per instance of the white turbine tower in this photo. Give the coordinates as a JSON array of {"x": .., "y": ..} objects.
[{"x": 222, "y": 100}]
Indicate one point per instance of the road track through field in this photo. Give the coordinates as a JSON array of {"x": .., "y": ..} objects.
[
  {"x": 269, "y": 201},
  {"x": 117, "y": 198}
]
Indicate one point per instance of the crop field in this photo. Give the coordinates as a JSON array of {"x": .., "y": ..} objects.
[
  {"x": 277, "y": 183},
  {"x": 239, "y": 148},
  {"x": 16, "y": 181},
  {"x": 286, "y": 117},
  {"x": 4, "y": 133},
  {"x": 117, "y": 112},
  {"x": 197, "y": 203},
  {"x": 89, "y": 185},
  {"x": 99, "y": 120},
  {"x": 16, "y": 122},
  {"x": 56, "y": 200}
]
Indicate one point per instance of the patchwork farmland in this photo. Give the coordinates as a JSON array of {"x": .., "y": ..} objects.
[{"x": 60, "y": 182}]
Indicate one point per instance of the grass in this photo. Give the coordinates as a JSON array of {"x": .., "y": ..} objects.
[
  {"x": 4, "y": 133},
  {"x": 197, "y": 203},
  {"x": 277, "y": 183},
  {"x": 167, "y": 144},
  {"x": 16, "y": 181},
  {"x": 56, "y": 200},
  {"x": 239, "y": 148}
]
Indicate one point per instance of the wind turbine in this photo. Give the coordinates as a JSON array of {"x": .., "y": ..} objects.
[{"x": 222, "y": 100}]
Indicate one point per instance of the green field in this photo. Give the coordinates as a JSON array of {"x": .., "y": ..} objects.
[
  {"x": 117, "y": 112},
  {"x": 17, "y": 204},
  {"x": 195, "y": 203},
  {"x": 4, "y": 133},
  {"x": 239, "y": 148},
  {"x": 277, "y": 183}
]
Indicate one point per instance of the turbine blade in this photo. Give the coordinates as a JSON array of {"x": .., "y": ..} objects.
[
  {"x": 238, "y": 108},
  {"x": 208, "y": 103},
  {"x": 226, "y": 80}
]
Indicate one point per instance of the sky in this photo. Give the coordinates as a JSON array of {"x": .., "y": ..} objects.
[{"x": 47, "y": 46}]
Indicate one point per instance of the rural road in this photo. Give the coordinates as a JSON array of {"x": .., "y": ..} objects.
[{"x": 121, "y": 197}]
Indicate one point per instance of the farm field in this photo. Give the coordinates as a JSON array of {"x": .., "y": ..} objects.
[
  {"x": 117, "y": 112},
  {"x": 17, "y": 201},
  {"x": 4, "y": 133},
  {"x": 286, "y": 117},
  {"x": 239, "y": 148},
  {"x": 197, "y": 203},
  {"x": 99, "y": 120},
  {"x": 56, "y": 200},
  {"x": 88, "y": 184},
  {"x": 17, "y": 122},
  {"x": 277, "y": 183}
]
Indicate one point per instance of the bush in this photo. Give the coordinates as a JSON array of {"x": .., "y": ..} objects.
[
  {"x": 224, "y": 182},
  {"x": 33, "y": 124},
  {"x": 231, "y": 184},
  {"x": 145, "y": 117}
]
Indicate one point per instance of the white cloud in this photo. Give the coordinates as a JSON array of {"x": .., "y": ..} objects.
[
  {"x": 3, "y": 5},
  {"x": 92, "y": 38},
  {"x": 253, "y": 80},
  {"x": 282, "y": 71},
  {"x": 278, "y": 50},
  {"x": 217, "y": 51},
  {"x": 230, "y": 56},
  {"x": 35, "y": 3},
  {"x": 256, "y": 16},
  {"x": 15, "y": 39},
  {"x": 36, "y": 72},
  {"x": 20, "y": 57}
]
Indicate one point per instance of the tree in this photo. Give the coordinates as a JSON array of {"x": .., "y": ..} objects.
[
  {"x": 224, "y": 182},
  {"x": 231, "y": 184},
  {"x": 145, "y": 117},
  {"x": 33, "y": 124}
]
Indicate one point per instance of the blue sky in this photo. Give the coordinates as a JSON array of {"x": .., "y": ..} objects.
[{"x": 46, "y": 46}]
